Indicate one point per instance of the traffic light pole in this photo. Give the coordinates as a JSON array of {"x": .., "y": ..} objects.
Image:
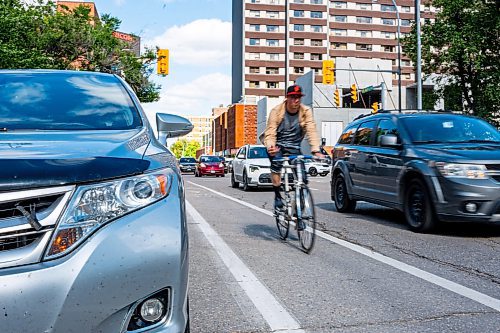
[{"x": 399, "y": 54}]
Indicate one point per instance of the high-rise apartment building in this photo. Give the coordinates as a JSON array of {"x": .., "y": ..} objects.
[
  {"x": 317, "y": 30},
  {"x": 201, "y": 126}
]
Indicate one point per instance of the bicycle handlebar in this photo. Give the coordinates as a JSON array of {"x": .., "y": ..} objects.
[{"x": 299, "y": 157}]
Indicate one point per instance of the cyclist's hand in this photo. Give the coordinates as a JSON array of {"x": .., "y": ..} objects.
[{"x": 273, "y": 150}]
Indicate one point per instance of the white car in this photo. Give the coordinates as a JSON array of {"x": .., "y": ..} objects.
[
  {"x": 251, "y": 167},
  {"x": 314, "y": 168}
]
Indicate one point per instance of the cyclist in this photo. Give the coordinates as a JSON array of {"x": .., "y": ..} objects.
[{"x": 287, "y": 125}]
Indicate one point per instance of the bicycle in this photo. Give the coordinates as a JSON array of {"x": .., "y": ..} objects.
[{"x": 298, "y": 205}]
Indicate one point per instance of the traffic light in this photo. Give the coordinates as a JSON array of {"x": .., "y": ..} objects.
[
  {"x": 162, "y": 62},
  {"x": 328, "y": 71},
  {"x": 375, "y": 107},
  {"x": 336, "y": 98},
  {"x": 354, "y": 93}
]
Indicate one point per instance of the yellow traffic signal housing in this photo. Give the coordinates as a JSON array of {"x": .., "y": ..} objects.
[
  {"x": 328, "y": 71},
  {"x": 375, "y": 107},
  {"x": 336, "y": 98},
  {"x": 354, "y": 93},
  {"x": 162, "y": 61}
]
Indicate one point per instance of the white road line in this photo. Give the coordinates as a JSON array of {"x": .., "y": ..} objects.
[
  {"x": 432, "y": 278},
  {"x": 278, "y": 319}
]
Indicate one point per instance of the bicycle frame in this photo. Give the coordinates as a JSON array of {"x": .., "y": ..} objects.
[{"x": 298, "y": 182}]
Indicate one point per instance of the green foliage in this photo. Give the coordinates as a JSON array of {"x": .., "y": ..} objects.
[
  {"x": 38, "y": 36},
  {"x": 183, "y": 148},
  {"x": 463, "y": 44}
]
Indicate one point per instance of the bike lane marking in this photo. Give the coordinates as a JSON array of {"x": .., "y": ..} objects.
[
  {"x": 417, "y": 272},
  {"x": 277, "y": 317}
]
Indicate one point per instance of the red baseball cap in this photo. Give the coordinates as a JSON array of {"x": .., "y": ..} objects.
[{"x": 294, "y": 90}]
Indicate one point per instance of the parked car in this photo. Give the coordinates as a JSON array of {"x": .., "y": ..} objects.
[
  {"x": 187, "y": 164},
  {"x": 209, "y": 165},
  {"x": 93, "y": 234},
  {"x": 251, "y": 167},
  {"x": 432, "y": 166},
  {"x": 315, "y": 167}
]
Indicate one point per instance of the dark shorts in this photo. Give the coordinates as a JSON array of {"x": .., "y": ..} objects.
[{"x": 276, "y": 166}]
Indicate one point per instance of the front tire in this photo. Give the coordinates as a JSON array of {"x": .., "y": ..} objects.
[
  {"x": 246, "y": 187},
  {"x": 341, "y": 198},
  {"x": 234, "y": 183},
  {"x": 307, "y": 217},
  {"x": 418, "y": 209},
  {"x": 313, "y": 172}
]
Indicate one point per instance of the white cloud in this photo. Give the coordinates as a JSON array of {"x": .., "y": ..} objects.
[
  {"x": 119, "y": 2},
  {"x": 205, "y": 42},
  {"x": 197, "y": 97}
]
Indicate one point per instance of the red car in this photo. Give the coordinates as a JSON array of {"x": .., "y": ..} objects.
[{"x": 209, "y": 165}]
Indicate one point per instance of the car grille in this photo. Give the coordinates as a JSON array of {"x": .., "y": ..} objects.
[
  {"x": 494, "y": 171},
  {"x": 493, "y": 167},
  {"x": 22, "y": 241},
  {"x": 265, "y": 178}
]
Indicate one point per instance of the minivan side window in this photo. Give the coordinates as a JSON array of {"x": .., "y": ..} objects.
[
  {"x": 347, "y": 135},
  {"x": 364, "y": 133},
  {"x": 241, "y": 153},
  {"x": 385, "y": 126}
]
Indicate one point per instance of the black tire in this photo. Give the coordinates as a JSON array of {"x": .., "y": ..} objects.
[
  {"x": 245, "y": 182},
  {"x": 418, "y": 208},
  {"x": 282, "y": 224},
  {"x": 188, "y": 326},
  {"x": 324, "y": 174},
  {"x": 342, "y": 201},
  {"x": 234, "y": 183},
  {"x": 313, "y": 172},
  {"x": 307, "y": 217}
]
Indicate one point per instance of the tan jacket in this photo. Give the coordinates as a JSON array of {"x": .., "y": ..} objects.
[{"x": 306, "y": 122}]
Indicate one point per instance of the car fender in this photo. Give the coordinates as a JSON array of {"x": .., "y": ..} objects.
[
  {"x": 341, "y": 167},
  {"x": 420, "y": 168}
]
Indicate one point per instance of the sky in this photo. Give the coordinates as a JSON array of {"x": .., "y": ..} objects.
[{"x": 198, "y": 36}]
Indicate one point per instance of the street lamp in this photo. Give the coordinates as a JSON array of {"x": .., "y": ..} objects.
[{"x": 399, "y": 51}]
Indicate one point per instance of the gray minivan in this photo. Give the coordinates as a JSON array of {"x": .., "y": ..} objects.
[
  {"x": 93, "y": 234},
  {"x": 432, "y": 166}
]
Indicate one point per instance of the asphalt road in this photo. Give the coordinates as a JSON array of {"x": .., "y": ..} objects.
[{"x": 367, "y": 272}]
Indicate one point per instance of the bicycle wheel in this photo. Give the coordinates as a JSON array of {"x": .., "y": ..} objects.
[
  {"x": 282, "y": 224},
  {"x": 306, "y": 219}
]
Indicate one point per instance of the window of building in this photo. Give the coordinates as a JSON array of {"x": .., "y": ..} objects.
[
  {"x": 340, "y": 18},
  {"x": 272, "y": 70},
  {"x": 254, "y": 41},
  {"x": 316, "y": 56},
  {"x": 298, "y": 55},
  {"x": 363, "y": 19},
  {"x": 339, "y": 4},
  {"x": 388, "y": 48},
  {"x": 254, "y": 84},
  {"x": 388, "y": 21},
  {"x": 298, "y": 13},
  {"x": 365, "y": 33},
  {"x": 406, "y": 9},
  {"x": 272, "y": 42},
  {"x": 298, "y": 41},
  {"x": 254, "y": 27},
  {"x": 298, "y": 27},
  {"x": 317, "y": 71},
  {"x": 316, "y": 42},
  {"x": 254, "y": 13},
  {"x": 405, "y": 23},
  {"x": 405, "y": 63},
  {"x": 363, "y": 47},
  {"x": 254, "y": 1},
  {"x": 393, "y": 62},
  {"x": 387, "y": 8},
  {"x": 254, "y": 70},
  {"x": 394, "y": 76},
  {"x": 339, "y": 32},
  {"x": 273, "y": 2},
  {"x": 387, "y": 34},
  {"x": 272, "y": 14},
  {"x": 364, "y": 6},
  {"x": 317, "y": 2},
  {"x": 298, "y": 70},
  {"x": 298, "y": 1},
  {"x": 339, "y": 46},
  {"x": 272, "y": 28},
  {"x": 274, "y": 56},
  {"x": 316, "y": 14},
  {"x": 406, "y": 76},
  {"x": 316, "y": 28},
  {"x": 272, "y": 85},
  {"x": 255, "y": 56}
]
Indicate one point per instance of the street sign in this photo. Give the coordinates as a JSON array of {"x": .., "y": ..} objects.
[{"x": 367, "y": 89}]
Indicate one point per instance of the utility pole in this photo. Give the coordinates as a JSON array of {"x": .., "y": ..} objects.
[
  {"x": 419, "y": 56},
  {"x": 287, "y": 45}
]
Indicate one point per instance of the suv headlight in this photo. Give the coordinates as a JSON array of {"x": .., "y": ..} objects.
[
  {"x": 253, "y": 168},
  {"x": 92, "y": 206},
  {"x": 457, "y": 170}
]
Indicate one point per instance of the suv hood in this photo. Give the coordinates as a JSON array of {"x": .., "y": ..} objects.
[
  {"x": 461, "y": 152},
  {"x": 263, "y": 162},
  {"x": 30, "y": 160}
]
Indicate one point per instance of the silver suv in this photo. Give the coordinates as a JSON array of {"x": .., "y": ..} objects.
[
  {"x": 432, "y": 166},
  {"x": 93, "y": 233}
]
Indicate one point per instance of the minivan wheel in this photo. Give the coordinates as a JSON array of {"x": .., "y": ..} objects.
[
  {"x": 313, "y": 172},
  {"x": 342, "y": 201},
  {"x": 418, "y": 209},
  {"x": 234, "y": 183},
  {"x": 246, "y": 187}
]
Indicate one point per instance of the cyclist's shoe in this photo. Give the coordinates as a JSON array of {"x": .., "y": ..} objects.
[
  {"x": 278, "y": 204},
  {"x": 301, "y": 225}
]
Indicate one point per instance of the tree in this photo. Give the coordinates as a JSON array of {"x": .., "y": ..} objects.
[
  {"x": 463, "y": 45},
  {"x": 182, "y": 148},
  {"x": 36, "y": 35}
]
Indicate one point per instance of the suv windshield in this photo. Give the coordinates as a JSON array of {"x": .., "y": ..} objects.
[
  {"x": 75, "y": 101},
  {"x": 187, "y": 160},
  {"x": 448, "y": 129},
  {"x": 257, "y": 152}
]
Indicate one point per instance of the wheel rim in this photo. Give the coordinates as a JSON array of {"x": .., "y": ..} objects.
[
  {"x": 282, "y": 225},
  {"x": 416, "y": 207},
  {"x": 245, "y": 182},
  {"x": 307, "y": 236},
  {"x": 313, "y": 172},
  {"x": 340, "y": 193}
]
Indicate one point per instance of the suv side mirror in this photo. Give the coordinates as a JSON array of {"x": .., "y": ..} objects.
[
  {"x": 171, "y": 126},
  {"x": 389, "y": 140}
]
